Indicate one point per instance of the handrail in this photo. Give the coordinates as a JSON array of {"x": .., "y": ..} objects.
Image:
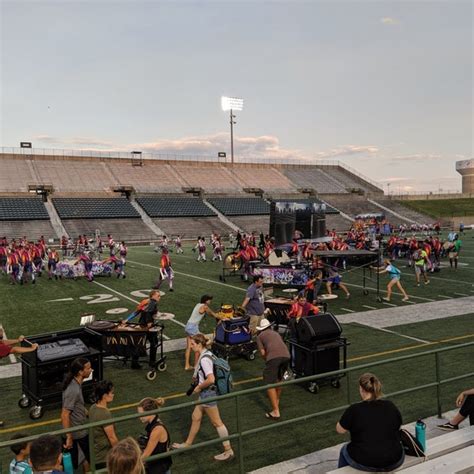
[{"x": 241, "y": 393}]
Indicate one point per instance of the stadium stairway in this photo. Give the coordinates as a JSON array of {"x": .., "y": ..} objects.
[
  {"x": 55, "y": 219},
  {"x": 442, "y": 447},
  {"x": 390, "y": 212},
  {"x": 146, "y": 218},
  {"x": 221, "y": 216}
]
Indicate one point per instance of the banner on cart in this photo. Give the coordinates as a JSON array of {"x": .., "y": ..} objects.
[{"x": 282, "y": 276}]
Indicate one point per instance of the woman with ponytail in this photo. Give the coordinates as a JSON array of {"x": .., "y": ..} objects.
[
  {"x": 74, "y": 412},
  {"x": 374, "y": 425},
  {"x": 204, "y": 385},
  {"x": 157, "y": 437}
]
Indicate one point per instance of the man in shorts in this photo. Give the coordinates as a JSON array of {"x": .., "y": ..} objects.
[
  {"x": 454, "y": 250},
  {"x": 253, "y": 303},
  {"x": 277, "y": 357},
  {"x": 420, "y": 257}
]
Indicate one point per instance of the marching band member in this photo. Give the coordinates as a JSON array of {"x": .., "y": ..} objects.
[
  {"x": 178, "y": 245},
  {"x": 53, "y": 259},
  {"x": 201, "y": 248},
  {"x": 166, "y": 272}
]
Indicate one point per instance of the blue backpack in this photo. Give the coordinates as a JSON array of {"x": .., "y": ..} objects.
[{"x": 222, "y": 374}]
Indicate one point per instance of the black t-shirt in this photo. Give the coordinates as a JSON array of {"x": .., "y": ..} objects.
[
  {"x": 375, "y": 433},
  {"x": 147, "y": 314}
]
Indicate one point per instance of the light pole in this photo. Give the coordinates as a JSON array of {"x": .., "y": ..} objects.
[{"x": 230, "y": 104}]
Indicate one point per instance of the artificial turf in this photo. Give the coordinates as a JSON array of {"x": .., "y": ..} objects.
[{"x": 29, "y": 310}]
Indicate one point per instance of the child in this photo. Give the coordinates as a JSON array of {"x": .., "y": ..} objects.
[
  {"x": 22, "y": 451},
  {"x": 334, "y": 277}
]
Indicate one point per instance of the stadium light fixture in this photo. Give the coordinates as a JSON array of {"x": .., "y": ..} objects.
[{"x": 231, "y": 104}]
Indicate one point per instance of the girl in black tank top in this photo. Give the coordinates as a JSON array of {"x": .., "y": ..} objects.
[{"x": 156, "y": 445}]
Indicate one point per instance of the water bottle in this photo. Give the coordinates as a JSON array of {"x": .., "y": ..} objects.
[
  {"x": 67, "y": 463},
  {"x": 420, "y": 434}
]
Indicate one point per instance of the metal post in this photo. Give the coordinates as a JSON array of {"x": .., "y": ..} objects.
[
  {"x": 239, "y": 430},
  {"x": 438, "y": 386},
  {"x": 91, "y": 449},
  {"x": 231, "y": 137},
  {"x": 348, "y": 374}
]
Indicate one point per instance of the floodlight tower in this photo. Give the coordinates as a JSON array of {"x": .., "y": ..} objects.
[{"x": 231, "y": 104}]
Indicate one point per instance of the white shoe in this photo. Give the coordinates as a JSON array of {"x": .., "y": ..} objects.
[{"x": 225, "y": 456}]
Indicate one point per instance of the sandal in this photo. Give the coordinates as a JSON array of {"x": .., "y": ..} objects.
[{"x": 271, "y": 417}]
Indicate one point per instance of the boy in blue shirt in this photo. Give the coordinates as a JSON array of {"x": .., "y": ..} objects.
[{"x": 19, "y": 464}]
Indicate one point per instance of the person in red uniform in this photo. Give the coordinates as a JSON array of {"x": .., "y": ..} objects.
[
  {"x": 26, "y": 262},
  {"x": 166, "y": 272},
  {"x": 118, "y": 265},
  {"x": 53, "y": 259},
  {"x": 8, "y": 346},
  {"x": 13, "y": 266}
]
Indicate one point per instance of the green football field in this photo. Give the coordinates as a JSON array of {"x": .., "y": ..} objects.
[{"x": 49, "y": 306}]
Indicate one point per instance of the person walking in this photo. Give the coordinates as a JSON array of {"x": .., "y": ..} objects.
[
  {"x": 192, "y": 327},
  {"x": 74, "y": 412},
  {"x": 253, "y": 303},
  {"x": 104, "y": 436},
  {"x": 395, "y": 275},
  {"x": 277, "y": 357},
  {"x": 157, "y": 437},
  {"x": 204, "y": 386}
]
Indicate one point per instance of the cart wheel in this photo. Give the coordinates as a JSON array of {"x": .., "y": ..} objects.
[
  {"x": 221, "y": 278},
  {"x": 36, "y": 412},
  {"x": 24, "y": 402},
  {"x": 251, "y": 356},
  {"x": 336, "y": 383},
  {"x": 366, "y": 292},
  {"x": 162, "y": 367},
  {"x": 151, "y": 375},
  {"x": 379, "y": 299},
  {"x": 313, "y": 387}
]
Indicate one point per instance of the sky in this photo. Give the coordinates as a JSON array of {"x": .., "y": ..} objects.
[{"x": 384, "y": 87}]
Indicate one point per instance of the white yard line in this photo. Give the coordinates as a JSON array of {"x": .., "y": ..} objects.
[
  {"x": 385, "y": 291},
  {"x": 11, "y": 356},
  {"x": 367, "y": 306},
  {"x": 444, "y": 296},
  {"x": 193, "y": 276},
  {"x": 389, "y": 304},
  {"x": 398, "y": 334},
  {"x": 348, "y": 310},
  {"x": 461, "y": 294}
]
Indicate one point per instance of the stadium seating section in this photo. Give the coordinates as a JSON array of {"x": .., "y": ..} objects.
[
  {"x": 174, "y": 207},
  {"x": 255, "y": 224},
  {"x": 15, "y": 175},
  {"x": 94, "y": 208},
  {"x": 12, "y": 209},
  {"x": 314, "y": 178},
  {"x": 191, "y": 227},
  {"x": 240, "y": 206},
  {"x": 121, "y": 229},
  {"x": 149, "y": 178}
]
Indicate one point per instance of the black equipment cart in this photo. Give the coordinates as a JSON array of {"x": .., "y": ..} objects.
[
  {"x": 315, "y": 348},
  {"x": 125, "y": 342},
  {"x": 43, "y": 370}
]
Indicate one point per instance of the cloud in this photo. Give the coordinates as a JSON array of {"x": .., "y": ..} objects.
[
  {"x": 388, "y": 20},
  {"x": 347, "y": 150},
  {"x": 47, "y": 139},
  {"x": 418, "y": 157}
]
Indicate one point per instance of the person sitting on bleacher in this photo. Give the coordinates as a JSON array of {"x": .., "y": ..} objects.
[
  {"x": 465, "y": 401},
  {"x": 374, "y": 425}
]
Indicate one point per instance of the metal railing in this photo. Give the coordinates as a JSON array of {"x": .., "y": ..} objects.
[
  {"x": 127, "y": 155},
  {"x": 237, "y": 396}
]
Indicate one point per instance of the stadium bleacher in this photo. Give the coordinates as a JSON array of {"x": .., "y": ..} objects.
[
  {"x": 94, "y": 208},
  {"x": 25, "y": 216},
  {"x": 12, "y": 209},
  {"x": 314, "y": 178},
  {"x": 240, "y": 206},
  {"x": 191, "y": 227},
  {"x": 16, "y": 175},
  {"x": 174, "y": 207},
  {"x": 268, "y": 178},
  {"x": 121, "y": 229}
]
